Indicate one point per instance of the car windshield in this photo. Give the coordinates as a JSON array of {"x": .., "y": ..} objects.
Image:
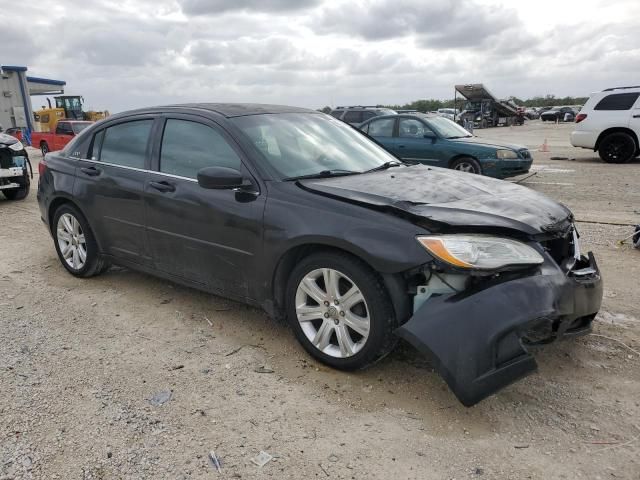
[
  {"x": 447, "y": 128},
  {"x": 301, "y": 144},
  {"x": 79, "y": 126}
]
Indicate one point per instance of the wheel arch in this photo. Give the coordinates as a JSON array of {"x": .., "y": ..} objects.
[
  {"x": 609, "y": 131},
  {"x": 461, "y": 155},
  {"x": 58, "y": 202},
  {"x": 394, "y": 282}
]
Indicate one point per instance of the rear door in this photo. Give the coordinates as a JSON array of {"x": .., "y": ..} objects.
[
  {"x": 207, "y": 236},
  {"x": 411, "y": 143},
  {"x": 110, "y": 186},
  {"x": 382, "y": 130}
]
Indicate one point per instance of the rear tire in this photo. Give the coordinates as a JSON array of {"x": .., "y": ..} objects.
[
  {"x": 466, "y": 164},
  {"x": 75, "y": 243},
  {"x": 359, "y": 299},
  {"x": 617, "y": 147}
]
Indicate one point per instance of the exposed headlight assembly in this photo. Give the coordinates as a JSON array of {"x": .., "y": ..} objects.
[
  {"x": 506, "y": 154},
  {"x": 480, "y": 252}
]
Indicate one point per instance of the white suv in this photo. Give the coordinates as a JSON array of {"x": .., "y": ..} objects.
[{"x": 609, "y": 123}]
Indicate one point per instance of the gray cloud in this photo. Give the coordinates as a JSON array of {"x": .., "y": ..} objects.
[
  {"x": 143, "y": 52},
  {"x": 245, "y": 51},
  {"x": 17, "y": 46},
  {"x": 215, "y": 7},
  {"x": 437, "y": 24}
]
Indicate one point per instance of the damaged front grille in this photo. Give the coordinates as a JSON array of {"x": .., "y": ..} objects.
[
  {"x": 564, "y": 248},
  {"x": 559, "y": 248}
]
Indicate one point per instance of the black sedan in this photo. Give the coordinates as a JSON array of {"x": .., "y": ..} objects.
[
  {"x": 558, "y": 114},
  {"x": 296, "y": 212}
]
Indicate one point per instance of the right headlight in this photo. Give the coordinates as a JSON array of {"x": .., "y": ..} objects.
[
  {"x": 481, "y": 252},
  {"x": 506, "y": 154}
]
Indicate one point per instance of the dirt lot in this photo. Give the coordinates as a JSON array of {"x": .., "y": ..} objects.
[{"x": 81, "y": 359}]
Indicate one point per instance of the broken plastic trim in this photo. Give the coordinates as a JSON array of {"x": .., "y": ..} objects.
[{"x": 477, "y": 354}]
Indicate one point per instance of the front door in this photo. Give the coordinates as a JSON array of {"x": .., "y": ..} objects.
[
  {"x": 207, "y": 236},
  {"x": 416, "y": 141},
  {"x": 111, "y": 182}
]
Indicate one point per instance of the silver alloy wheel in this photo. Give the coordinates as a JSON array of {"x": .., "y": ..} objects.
[
  {"x": 71, "y": 241},
  {"x": 465, "y": 167},
  {"x": 332, "y": 312}
]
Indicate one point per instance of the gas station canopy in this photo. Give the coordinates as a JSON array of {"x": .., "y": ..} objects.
[{"x": 45, "y": 86}]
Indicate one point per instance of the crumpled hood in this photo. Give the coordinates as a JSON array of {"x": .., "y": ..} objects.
[
  {"x": 449, "y": 197},
  {"x": 6, "y": 140},
  {"x": 488, "y": 143}
]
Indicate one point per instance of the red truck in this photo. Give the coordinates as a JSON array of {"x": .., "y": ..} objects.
[{"x": 65, "y": 131}]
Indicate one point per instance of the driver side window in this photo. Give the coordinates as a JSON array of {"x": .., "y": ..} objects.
[
  {"x": 190, "y": 146},
  {"x": 412, "y": 128}
]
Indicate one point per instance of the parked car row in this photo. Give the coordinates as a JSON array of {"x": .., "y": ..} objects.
[{"x": 309, "y": 218}]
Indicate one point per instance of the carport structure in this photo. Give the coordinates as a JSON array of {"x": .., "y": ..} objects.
[{"x": 16, "y": 88}]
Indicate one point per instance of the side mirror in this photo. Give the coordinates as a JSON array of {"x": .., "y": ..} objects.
[
  {"x": 220, "y": 178},
  {"x": 430, "y": 135}
]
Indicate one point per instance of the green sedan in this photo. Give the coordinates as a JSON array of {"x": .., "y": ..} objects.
[{"x": 437, "y": 141}]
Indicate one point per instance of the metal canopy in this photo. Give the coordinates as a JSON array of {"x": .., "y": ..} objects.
[
  {"x": 475, "y": 91},
  {"x": 45, "y": 86}
]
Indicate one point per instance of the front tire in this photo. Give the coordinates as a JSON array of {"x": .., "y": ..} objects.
[
  {"x": 340, "y": 310},
  {"x": 617, "y": 147},
  {"x": 467, "y": 164},
  {"x": 75, "y": 243}
]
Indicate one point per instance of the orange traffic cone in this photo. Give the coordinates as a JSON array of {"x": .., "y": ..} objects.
[{"x": 544, "y": 147}]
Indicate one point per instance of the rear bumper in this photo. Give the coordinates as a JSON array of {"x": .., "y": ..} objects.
[
  {"x": 584, "y": 139},
  {"x": 478, "y": 340}
]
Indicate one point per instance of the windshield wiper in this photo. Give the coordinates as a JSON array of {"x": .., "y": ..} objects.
[
  {"x": 384, "y": 166},
  {"x": 322, "y": 174},
  {"x": 459, "y": 136}
]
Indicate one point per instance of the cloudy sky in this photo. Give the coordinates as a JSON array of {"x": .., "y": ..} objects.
[{"x": 130, "y": 53}]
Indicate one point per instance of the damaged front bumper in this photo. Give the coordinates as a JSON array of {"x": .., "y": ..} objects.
[{"x": 478, "y": 339}]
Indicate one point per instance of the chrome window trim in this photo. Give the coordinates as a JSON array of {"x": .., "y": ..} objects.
[{"x": 98, "y": 162}]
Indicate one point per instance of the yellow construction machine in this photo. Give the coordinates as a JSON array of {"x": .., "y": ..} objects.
[{"x": 68, "y": 107}]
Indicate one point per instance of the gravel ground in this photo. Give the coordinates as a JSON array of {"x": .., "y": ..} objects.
[{"x": 85, "y": 366}]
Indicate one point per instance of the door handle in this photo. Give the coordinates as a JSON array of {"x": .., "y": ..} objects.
[
  {"x": 400, "y": 146},
  {"x": 636, "y": 116},
  {"x": 91, "y": 171},
  {"x": 163, "y": 186}
]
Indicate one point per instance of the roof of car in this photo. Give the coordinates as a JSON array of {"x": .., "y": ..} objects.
[
  {"x": 408, "y": 114},
  {"x": 230, "y": 109}
]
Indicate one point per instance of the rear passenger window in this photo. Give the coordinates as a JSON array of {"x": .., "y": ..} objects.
[
  {"x": 382, "y": 127},
  {"x": 366, "y": 115},
  {"x": 126, "y": 143},
  {"x": 353, "y": 117},
  {"x": 190, "y": 146},
  {"x": 617, "y": 101}
]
